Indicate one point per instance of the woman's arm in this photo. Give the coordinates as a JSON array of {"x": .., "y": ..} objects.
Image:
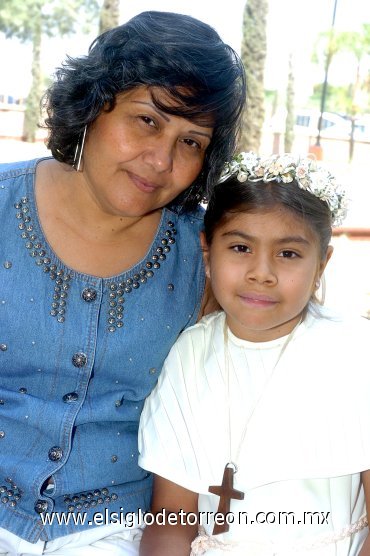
[
  {"x": 170, "y": 539},
  {"x": 365, "y": 475}
]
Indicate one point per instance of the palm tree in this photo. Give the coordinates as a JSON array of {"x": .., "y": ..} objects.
[
  {"x": 253, "y": 54},
  {"x": 109, "y": 15}
]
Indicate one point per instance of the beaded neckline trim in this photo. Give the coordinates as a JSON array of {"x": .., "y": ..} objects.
[{"x": 117, "y": 289}]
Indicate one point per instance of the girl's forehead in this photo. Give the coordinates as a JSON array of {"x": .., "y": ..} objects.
[{"x": 274, "y": 222}]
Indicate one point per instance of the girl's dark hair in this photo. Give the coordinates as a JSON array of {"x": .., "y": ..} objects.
[
  {"x": 232, "y": 196},
  {"x": 184, "y": 56}
]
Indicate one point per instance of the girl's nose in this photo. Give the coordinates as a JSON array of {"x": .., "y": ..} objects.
[{"x": 261, "y": 271}]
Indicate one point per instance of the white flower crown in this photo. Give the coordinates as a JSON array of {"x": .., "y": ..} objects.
[{"x": 285, "y": 168}]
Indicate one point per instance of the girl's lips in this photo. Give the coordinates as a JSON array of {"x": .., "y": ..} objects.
[
  {"x": 258, "y": 300},
  {"x": 143, "y": 185}
]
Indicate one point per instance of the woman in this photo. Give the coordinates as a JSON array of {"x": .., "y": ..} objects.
[{"x": 137, "y": 130}]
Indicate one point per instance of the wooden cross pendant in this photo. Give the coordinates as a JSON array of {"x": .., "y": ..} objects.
[{"x": 226, "y": 491}]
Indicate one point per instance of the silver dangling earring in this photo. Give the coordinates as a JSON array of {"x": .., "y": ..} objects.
[{"x": 79, "y": 150}]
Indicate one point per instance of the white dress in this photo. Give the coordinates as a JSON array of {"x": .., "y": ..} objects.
[
  {"x": 306, "y": 442},
  {"x": 112, "y": 539}
]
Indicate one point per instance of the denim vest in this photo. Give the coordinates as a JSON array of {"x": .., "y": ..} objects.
[{"x": 78, "y": 356}]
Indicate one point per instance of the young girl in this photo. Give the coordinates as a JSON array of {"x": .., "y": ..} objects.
[{"x": 259, "y": 429}]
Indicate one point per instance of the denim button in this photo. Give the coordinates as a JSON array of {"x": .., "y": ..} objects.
[
  {"x": 89, "y": 294},
  {"x": 70, "y": 397},
  {"x": 55, "y": 453},
  {"x": 79, "y": 360},
  {"x": 41, "y": 506}
]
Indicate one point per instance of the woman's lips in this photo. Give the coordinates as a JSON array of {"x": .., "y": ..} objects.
[{"x": 142, "y": 184}]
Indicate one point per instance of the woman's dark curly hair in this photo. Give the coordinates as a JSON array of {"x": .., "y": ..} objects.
[{"x": 184, "y": 56}]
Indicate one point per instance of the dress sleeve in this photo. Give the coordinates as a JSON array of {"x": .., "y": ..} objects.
[{"x": 169, "y": 438}]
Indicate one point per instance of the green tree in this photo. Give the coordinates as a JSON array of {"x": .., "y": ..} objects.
[
  {"x": 109, "y": 15},
  {"x": 353, "y": 101},
  {"x": 253, "y": 54},
  {"x": 29, "y": 21},
  {"x": 358, "y": 44}
]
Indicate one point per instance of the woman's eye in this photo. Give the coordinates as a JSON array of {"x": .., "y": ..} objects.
[
  {"x": 192, "y": 143},
  {"x": 148, "y": 121}
]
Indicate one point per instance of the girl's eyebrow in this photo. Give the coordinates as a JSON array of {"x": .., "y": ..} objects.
[
  {"x": 237, "y": 233},
  {"x": 280, "y": 240},
  {"x": 294, "y": 239},
  {"x": 165, "y": 117}
]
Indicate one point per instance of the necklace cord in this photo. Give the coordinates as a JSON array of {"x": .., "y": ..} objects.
[{"x": 233, "y": 462}]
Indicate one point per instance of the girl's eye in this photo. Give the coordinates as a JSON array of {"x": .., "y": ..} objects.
[
  {"x": 287, "y": 254},
  {"x": 241, "y": 248}
]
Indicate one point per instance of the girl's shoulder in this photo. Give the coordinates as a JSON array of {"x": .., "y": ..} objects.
[
  {"x": 338, "y": 322},
  {"x": 342, "y": 336},
  {"x": 202, "y": 336},
  {"x": 207, "y": 326}
]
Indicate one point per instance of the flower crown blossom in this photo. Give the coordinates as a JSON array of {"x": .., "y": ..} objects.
[{"x": 284, "y": 169}]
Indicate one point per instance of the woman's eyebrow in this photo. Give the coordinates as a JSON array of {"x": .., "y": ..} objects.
[
  {"x": 151, "y": 105},
  {"x": 165, "y": 117}
]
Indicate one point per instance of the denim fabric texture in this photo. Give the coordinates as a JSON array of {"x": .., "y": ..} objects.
[{"x": 78, "y": 356}]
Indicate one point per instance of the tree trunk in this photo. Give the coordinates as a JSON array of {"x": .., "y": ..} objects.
[
  {"x": 351, "y": 140},
  {"x": 354, "y": 111},
  {"x": 32, "y": 112},
  {"x": 289, "y": 122},
  {"x": 253, "y": 54},
  {"x": 109, "y": 15}
]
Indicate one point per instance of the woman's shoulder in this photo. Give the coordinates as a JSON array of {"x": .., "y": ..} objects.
[
  {"x": 10, "y": 170},
  {"x": 190, "y": 218},
  {"x": 16, "y": 179}
]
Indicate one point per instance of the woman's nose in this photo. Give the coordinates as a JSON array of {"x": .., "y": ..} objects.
[{"x": 160, "y": 155}]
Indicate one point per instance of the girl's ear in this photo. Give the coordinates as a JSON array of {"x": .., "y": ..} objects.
[
  {"x": 326, "y": 259},
  {"x": 205, "y": 250},
  {"x": 320, "y": 279}
]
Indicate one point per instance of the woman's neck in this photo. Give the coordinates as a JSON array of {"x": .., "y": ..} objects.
[{"x": 85, "y": 237}]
